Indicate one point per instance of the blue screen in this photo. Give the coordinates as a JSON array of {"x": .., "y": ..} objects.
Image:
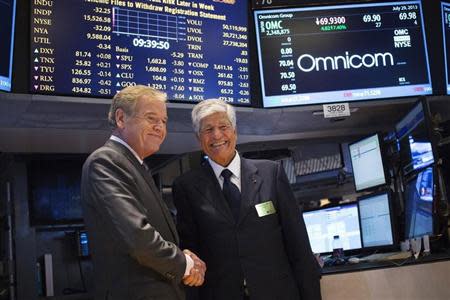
[
  {"x": 7, "y": 18},
  {"x": 192, "y": 50},
  {"x": 419, "y": 205},
  {"x": 55, "y": 192},
  {"x": 421, "y": 153},
  {"x": 415, "y": 146},
  {"x": 342, "y": 53}
]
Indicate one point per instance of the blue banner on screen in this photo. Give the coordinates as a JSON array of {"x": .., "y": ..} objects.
[
  {"x": 7, "y": 16},
  {"x": 191, "y": 50},
  {"x": 342, "y": 53},
  {"x": 446, "y": 31}
]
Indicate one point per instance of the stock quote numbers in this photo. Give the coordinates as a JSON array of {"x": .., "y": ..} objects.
[{"x": 97, "y": 49}]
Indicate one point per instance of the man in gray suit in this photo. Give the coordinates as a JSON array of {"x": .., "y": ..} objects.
[
  {"x": 241, "y": 217},
  {"x": 133, "y": 237}
]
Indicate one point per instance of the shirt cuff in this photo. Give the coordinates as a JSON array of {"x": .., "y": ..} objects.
[{"x": 189, "y": 265}]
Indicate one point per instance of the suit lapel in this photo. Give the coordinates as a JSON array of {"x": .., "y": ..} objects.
[
  {"x": 161, "y": 202},
  {"x": 209, "y": 187},
  {"x": 149, "y": 180},
  {"x": 250, "y": 185}
]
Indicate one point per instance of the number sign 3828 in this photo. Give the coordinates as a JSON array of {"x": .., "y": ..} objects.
[{"x": 336, "y": 110}]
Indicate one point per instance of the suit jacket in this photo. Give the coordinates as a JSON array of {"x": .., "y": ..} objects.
[
  {"x": 272, "y": 253},
  {"x": 132, "y": 235}
]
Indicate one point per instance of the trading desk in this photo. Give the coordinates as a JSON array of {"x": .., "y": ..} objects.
[{"x": 425, "y": 278}]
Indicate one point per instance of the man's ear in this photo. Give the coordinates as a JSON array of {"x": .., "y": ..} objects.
[{"x": 120, "y": 118}]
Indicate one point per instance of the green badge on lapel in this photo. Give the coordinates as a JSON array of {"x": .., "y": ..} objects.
[{"x": 265, "y": 208}]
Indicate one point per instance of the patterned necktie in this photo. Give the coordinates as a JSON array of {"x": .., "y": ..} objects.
[{"x": 231, "y": 193}]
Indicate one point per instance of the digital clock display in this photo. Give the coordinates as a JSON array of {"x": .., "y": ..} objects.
[{"x": 191, "y": 50}]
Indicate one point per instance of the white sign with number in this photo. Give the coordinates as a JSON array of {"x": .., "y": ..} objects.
[{"x": 336, "y": 110}]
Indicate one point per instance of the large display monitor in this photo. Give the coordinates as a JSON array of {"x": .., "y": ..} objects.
[
  {"x": 415, "y": 142},
  {"x": 192, "y": 50},
  {"x": 7, "y": 20},
  {"x": 342, "y": 53},
  {"x": 445, "y": 10},
  {"x": 367, "y": 163},
  {"x": 419, "y": 195},
  {"x": 375, "y": 214},
  {"x": 54, "y": 191},
  {"x": 323, "y": 224}
]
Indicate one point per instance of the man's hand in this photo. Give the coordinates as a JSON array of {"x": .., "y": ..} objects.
[{"x": 197, "y": 273}]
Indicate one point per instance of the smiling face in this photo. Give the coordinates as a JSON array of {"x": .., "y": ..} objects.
[
  {"x": 218, "y": 138},
  {"x": 145, "y": 130}
]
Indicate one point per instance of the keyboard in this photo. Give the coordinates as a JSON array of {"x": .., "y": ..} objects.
[{"x": 386, "y": 256}]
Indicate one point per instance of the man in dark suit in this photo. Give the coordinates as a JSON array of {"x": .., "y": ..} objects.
[
  {"x": 132, "y": 235},
  {"x": 244, "y": 222}
]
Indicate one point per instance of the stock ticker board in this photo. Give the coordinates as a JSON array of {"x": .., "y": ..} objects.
[
  {"x": 192, "y": 50},
  {"x": 340, "y": 53}
]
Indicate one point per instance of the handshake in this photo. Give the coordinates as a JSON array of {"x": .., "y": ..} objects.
[{"x": 196, "y": 276}]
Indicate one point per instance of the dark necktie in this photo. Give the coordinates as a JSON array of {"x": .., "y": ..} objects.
[{"x": 231, "y": 193}]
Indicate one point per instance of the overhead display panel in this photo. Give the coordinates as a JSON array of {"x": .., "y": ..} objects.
[
  {"x": 192, "y": 50},
  {"x": 7, "y": 17},
  {"x": 342, "y": 53}
]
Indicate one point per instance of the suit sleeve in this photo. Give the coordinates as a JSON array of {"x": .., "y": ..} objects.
[
  {"x": 187, "y": 229},
  {"x": 114, "y": 196},
  {"x": 185, "y": 218},
  {"x": 307, "y": 270}
]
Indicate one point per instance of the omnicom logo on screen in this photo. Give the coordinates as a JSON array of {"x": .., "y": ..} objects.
[{"x": 308, "y": 63}]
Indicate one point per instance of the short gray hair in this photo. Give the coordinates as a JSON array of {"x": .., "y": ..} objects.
[
  {"x": 127, "y": 98},
  {"x": 209, "y": 107}
]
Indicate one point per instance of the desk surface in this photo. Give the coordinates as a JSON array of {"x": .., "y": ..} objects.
[
  {"x": 425, "y": 278},
  {"x": 364, "y": 266}
]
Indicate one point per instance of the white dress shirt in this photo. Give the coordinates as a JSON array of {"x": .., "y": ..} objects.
[{"x": 235, "y": 168}]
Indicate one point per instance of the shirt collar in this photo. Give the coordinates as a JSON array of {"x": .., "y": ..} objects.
[
  {"x": 119, "y": 140},
  {"x": 234, "y": 166}
]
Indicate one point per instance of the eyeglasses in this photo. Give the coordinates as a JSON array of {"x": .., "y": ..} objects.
[{"x": 211, "y": 129}]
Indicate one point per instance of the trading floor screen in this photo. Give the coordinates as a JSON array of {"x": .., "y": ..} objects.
[{"x": 191, "y": 50}]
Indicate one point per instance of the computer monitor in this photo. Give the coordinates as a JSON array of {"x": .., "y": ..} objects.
[
  {"x": 325, "y": 223},
  {"x": 191, "y": 50},
  {"x": 367, "y": 163},
  {"x": 414, "y": 138},
  {"x": 419, "y": 204},
  {"x": 54, "y": 190},
  {"x": 7, "y": 20},
  {"x": 375, "y": 215}
]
